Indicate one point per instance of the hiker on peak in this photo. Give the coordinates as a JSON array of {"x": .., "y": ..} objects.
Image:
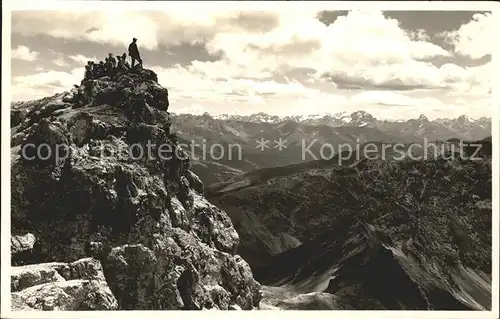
[
  {"x": 121, "y": 66},
  {"x": 101, "y": 69},
  {"x": 89, "y": 75},
  {"x": 111, "y": 59},
  {"x": 86, "y": 88},
  {"x": 92, "y": 67},
  {"x": 109, "y": 67},
  {"x": 124, "y": 58},
  {"x": 133, "y": 51}
]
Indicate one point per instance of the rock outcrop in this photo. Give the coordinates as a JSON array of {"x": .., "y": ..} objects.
[
  {"x": 79, "y": 285},
  {"x": 106, "y": 179},
  {"x": 22, "y": 244},
  {"x": 364, "y": 267}
]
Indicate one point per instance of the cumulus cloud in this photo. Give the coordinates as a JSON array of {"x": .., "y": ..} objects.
[
  {"x": 194, "y": 109},
  {"x": 468, "y": 80},
  {"x": 190, "y": 92},
  {"x": 81, "y": 59},
  {"x": 246, "y": 96},
  {"x": 60, "y": 62},
  {"x": 474, "y": 39},
  {"x": 24, "y": 53},
  {"x": 401, "y": 106},
  {"x": 41, "y": 84},
  {"x": 189, "y": 84},
  {"x": 363, "y": 50},
  {"x": 363, "y": 47},
  {"x": 176, "y": 26},
  {"x": 392, "y": 99}
]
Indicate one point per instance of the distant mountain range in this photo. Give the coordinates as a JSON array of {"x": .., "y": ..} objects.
[
  {"x": 298, "y": 133},
  {"x": 462, "y": 124},
  {"x": 461, "y": 127}
]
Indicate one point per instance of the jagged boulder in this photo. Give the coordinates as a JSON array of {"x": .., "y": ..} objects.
[
  {"x": 111, "y": 196},
  {"x": 195, "y": 182},
  {"x": 17, "y": 116},
  {"x": 21, "y": 243},
  {"x": 21, "y": 248},
  {"x": 46, "y": 143},
  {"x": 79, "y": 285},
  {"x": 139, "y": 86}
]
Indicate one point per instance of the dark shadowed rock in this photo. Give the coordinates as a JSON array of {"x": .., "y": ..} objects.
[
  {"x": 375, "y": 234},
  {"x": 47, "y": 139},
  {"x": 357, "y": 265},
  {"x": 195, "y": 182},
  {"x": 17, "y": 117}
]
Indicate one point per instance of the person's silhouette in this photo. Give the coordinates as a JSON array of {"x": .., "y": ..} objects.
[{"x": 133, "y": 51}]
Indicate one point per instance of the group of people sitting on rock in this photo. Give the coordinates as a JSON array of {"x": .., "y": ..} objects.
[{"x": 112, "y": 66}]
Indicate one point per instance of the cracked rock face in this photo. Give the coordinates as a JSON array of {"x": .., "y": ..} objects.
[
  {"x": 61, "y": 286},
  {"x": 89, "y": 192}
]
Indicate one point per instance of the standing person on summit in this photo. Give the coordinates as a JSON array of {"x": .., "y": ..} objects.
[{"x": 133, "y": 51}]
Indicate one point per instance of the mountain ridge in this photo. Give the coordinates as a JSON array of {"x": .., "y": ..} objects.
[
  {"x": 361, "y": 127},
  {"x": 319, "y": 229},
  {"x": 336, "y": 119}
]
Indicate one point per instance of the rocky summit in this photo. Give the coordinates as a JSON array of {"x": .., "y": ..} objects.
[{"x": 97, "y": 223}]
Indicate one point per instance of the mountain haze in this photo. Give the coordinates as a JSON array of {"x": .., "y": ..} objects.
[{"x": 300, "y": 133}]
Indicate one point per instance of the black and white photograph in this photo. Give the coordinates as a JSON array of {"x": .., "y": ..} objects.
[{"x": 249, "y": 156}]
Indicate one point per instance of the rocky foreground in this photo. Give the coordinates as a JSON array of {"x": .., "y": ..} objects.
[{"x": 97, "y": 226}]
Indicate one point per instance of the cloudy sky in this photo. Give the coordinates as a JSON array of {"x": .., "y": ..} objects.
[{"x": 393, "y": 64}]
